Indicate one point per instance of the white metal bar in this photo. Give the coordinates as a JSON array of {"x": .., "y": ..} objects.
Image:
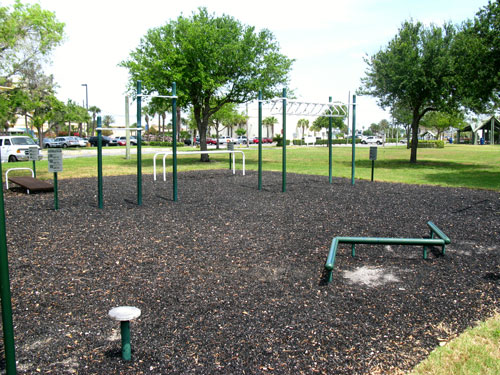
[
  {"x": 16, "y": 169},
  {"x": 167, "y": 153},
  {"x": 158, "y": 96},
  {"x": 138, "y": 129}
]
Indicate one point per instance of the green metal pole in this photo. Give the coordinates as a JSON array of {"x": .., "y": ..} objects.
[
  {"x": 353, "y": 139},
  {"x": 125, "y": 333},
  {"x": 174, "y": 140},
  {"x": 100, "y": 200},
  {"x": 373, "y": 168},
  {"x": 8, "y": 327},
  {"x": 56, "y": 198},
  {"x": 139, "y": 145},
  {"x": 283, "y": 188},
  {"x": 330, "y": 153},
  {"x": 34, "y": 169},
  {"x": 260, "y": 140}
]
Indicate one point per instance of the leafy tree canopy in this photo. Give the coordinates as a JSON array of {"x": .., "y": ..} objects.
[
  {"x": 414, "y": 71},
  {"x": 213, "y": 60},
  {"x": 476, "y": 53},
  {"x": 27, "y": 33}
]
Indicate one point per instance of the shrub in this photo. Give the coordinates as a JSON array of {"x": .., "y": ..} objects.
[
  {"x": 430, "y": 144},
  {"x": 164, "y": 144}
]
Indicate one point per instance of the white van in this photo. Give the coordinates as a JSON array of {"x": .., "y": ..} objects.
[{"x": 16, "y": 148}]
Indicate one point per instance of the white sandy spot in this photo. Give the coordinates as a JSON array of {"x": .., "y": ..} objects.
[{"x": 370, "y": 276}]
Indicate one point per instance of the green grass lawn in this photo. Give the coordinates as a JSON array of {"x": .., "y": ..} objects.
[
  {"x": 476, "y": 351},
  {"x": 454, "y": 166}
]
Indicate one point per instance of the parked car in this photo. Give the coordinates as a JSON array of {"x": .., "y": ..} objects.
[
  {"x": 254, "y": 140},
  {"x": 51, "y": 142},
  {"x": 68, "y": 142},
  {"x": 211, "y": 141},
  {"x": 16, "y": 148},
  {"x": 81, "y": 142},
  {"x": 242, "y": 139},
  {"x": 113, "y": 141},
  {"x": 267, "y": 140},
  {"x": 105, "y": 141},
  {"x": 371, "y": 140},
  {"x": 225, "y": 139},
  {"x": 133, "y": 140}
]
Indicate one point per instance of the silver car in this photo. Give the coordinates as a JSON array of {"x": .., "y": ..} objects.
[{"x": 68, "y": 142}]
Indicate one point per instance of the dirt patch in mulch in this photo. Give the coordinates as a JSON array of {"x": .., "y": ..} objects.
[{"x": 230, "y": 279}]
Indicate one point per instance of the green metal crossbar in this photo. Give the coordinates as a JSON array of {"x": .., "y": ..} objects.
[{"x": 442, "y": 241}]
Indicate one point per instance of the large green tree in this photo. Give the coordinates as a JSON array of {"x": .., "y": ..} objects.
[
  {"x": 476, "y": 53},
  {"x": 441, "y": 121},
  {"x": 27, "y": 34},
  {"x": 414, "y": 71},
  {"x": 213, "y": 60}
]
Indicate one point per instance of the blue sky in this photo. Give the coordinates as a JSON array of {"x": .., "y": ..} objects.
[{"x": 328, "y": 39}]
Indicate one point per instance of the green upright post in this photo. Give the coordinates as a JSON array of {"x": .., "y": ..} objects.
[
  {"x": 353, "y": 139},
  {"x": 34, "y": 168},
  {"x": 125, "y": 334},
  {"x": 8, "y": 327},
  {"x": 100, "y": 200},
  {"x": 139, "y": 145},
  {"x": 260, "y": 139},
  {"x": 330, "y": 153},
  {"x": 56, "y": 198},
  {"x": 283, "y": 188},
  {"x": 174, "y": 140}
]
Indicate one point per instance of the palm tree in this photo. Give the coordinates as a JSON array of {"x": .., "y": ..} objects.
[
  {"x": 304, "y": 124},
  {"x": 95, "y": 110},
  {"x": 270, "y": 122}
]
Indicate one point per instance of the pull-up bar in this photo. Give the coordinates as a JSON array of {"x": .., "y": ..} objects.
[
  {"x": 285, "y": 106},
  {"x": 139, "y": 144},
  {"x": 300, "y": 108}
]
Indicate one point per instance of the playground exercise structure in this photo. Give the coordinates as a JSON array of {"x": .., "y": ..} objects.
[
  {"x": 31, "y": 184},
  {"x": 442, "y": 241},
  {"x": 166, "y": 153},
  {"x": 285, "y": 106}
]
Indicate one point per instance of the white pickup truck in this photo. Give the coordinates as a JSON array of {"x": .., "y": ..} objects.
[{"x": 371, "y": 139}]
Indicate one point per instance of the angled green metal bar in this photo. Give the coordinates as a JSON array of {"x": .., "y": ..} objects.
[
  {"x": 440, "y": 234},
  {"x": 330, "y": 261}
]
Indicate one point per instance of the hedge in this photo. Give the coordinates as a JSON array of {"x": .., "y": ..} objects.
[
  {"x": 300, "y": 142},
  {"x": 430, "y": 144},
  {"x": 164, "y": 144}
]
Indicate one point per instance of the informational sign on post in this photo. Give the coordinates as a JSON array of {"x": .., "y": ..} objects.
[
  {"x": 55, "y": 160},
  {"x": 33, "y": 153}
]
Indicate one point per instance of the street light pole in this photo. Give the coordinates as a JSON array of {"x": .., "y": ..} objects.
[
  {"x": 86, "y": 96},
  {"x": 86, "y": 103}
]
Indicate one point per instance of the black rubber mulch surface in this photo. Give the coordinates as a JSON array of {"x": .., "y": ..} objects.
[{"x": 230, "y": 279}]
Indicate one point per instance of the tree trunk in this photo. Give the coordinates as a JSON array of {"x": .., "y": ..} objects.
[
  {"x": 202, "y": 124},
  {"x": 414, "y": 138}
]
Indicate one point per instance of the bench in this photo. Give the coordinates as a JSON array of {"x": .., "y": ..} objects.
[{"x": 31, "y": 184}]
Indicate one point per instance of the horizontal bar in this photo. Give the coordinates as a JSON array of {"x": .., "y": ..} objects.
[
  {"x": 113, "y": 128},
  {"x": 439, "y": 232},
  {"x": 391, "y": 241},
  {"x": 158, "y": 96}
]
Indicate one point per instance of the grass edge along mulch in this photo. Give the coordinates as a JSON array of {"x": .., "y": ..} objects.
[{"x": 475, "y": 351}]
